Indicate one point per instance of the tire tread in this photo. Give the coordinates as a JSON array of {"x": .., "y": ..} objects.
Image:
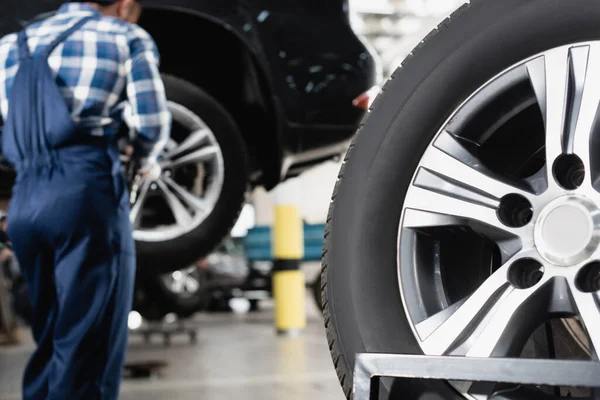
[{"x": 340, "y": 363}]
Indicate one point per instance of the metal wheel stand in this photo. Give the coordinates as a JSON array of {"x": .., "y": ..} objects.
[
  {"x": 147, "y": 369},
  {"x": 370, "y": 368},
  {"x": 167, "y": 331}
]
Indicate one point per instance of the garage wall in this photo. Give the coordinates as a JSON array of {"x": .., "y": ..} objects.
[{"x": 315, "y": 188}]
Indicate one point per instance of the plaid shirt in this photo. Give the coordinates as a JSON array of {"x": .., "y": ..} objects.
[{"x": 107, "y": 72}]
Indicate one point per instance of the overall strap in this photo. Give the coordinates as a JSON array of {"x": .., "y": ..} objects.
[
  {"x": 60, "y": 38},
  {"x": 22, "y": 45}
]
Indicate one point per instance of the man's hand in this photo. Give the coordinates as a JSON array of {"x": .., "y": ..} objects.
[
  {"x": 145, "y": 170},
  {"x": 150, "y": 171},
  {"x": 5, "y": 255}
]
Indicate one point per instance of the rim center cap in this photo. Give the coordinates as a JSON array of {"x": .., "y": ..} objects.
[{"x": 567, "y": 230}]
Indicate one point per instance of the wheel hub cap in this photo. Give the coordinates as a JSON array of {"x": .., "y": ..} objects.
[{"x": 566, "y": 231}]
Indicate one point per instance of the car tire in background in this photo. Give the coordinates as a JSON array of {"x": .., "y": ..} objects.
[
  {"x": 368, "y": 243},
  {"x": 209, "y": 154},
  {"x": 183, "y": 293}
]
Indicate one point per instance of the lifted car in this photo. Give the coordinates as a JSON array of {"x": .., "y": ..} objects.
[{"x": 260, "y": 91}]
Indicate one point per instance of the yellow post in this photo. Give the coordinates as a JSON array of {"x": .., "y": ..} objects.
[{"x": 288, "y": 251}]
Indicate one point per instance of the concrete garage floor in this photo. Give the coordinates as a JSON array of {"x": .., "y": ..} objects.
[{"x": 235, "y": 357}]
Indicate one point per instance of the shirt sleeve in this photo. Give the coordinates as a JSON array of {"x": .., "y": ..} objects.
[
  {"x": 7, "y": 70},
  {"x": 149, "y": 113}
]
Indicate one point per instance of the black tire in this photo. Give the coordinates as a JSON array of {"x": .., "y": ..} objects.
[
  {"x": 316, "y": 290},
  {"x": 254, "y": 306},
  {"x": 150, "y": 307},
  {"x": 363, "y": 307},
  {"x": 153, "y": 300},
  {"x": 161, "y": 257}
]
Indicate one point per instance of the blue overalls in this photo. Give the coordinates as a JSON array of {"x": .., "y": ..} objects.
[{"x": 69, "y": 223}]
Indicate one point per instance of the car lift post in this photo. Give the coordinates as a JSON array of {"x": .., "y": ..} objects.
[{"x": 288, "y": 250}]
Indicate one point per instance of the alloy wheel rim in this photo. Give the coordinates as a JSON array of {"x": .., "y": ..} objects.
[
  {"x": 545, "y": 227},
  {"x": 183, "y": 283},
  {"x": 189, "y": 206}
]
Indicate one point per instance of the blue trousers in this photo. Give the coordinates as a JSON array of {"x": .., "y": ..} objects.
[{"x": 69, "y": 224}]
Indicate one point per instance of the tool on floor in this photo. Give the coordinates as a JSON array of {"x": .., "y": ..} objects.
[
  {"x": 144, "y": 369},
  {"x": 370, "y": 368},
  {"x": 288, "y": 250}
]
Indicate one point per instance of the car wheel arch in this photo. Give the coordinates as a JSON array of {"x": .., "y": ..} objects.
[{"x": 250, "y": 81}]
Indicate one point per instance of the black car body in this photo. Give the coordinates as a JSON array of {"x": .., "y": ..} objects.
[
  {"x": 280, "y": 85},
  {"x": 287, "y": 70}
]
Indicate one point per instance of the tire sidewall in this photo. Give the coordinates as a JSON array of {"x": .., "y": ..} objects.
[
  {"x": 484, "y": 38},
  {"x": 155, "y": 257}
]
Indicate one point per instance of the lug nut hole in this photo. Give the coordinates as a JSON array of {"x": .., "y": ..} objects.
[
  {"x": 569, "y": 171},
  {"x": 588, "y": 278},
  {"x": 525, "y": 273},
  {"x": 515, "y": 211}
]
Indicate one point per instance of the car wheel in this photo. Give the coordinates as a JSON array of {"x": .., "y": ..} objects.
[
  {"x": 183, "y": 292},
  {"x": 194, "y": 204},
  {"x": 151, "y": 307},
  {"x": 465, "y": 220}
]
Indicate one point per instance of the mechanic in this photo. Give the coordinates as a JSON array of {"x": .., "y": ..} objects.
[{"x": 64, "y": 82}]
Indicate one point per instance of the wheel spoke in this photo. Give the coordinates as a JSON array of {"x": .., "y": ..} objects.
[
  {"x": 181, "y": 214},
  {"x": 490, "y": 322},
  {"x": 448, "y": 158},
  {"x": 193, "y": 140},
  {"x": 188, "y": 197},
  {"x": 204, "y": 154},
  {"x": 135, "y": 213},
  {"x": 458, "y": 326},
  {"x": 567, "y": 86},
  {"x": 506, "y": 328},
  {"x": 588, "y": 305},
  {"x": 452, "y": 191},
  {"x": 588, "y": 114},
  {"x": 430, "y": 324}
]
